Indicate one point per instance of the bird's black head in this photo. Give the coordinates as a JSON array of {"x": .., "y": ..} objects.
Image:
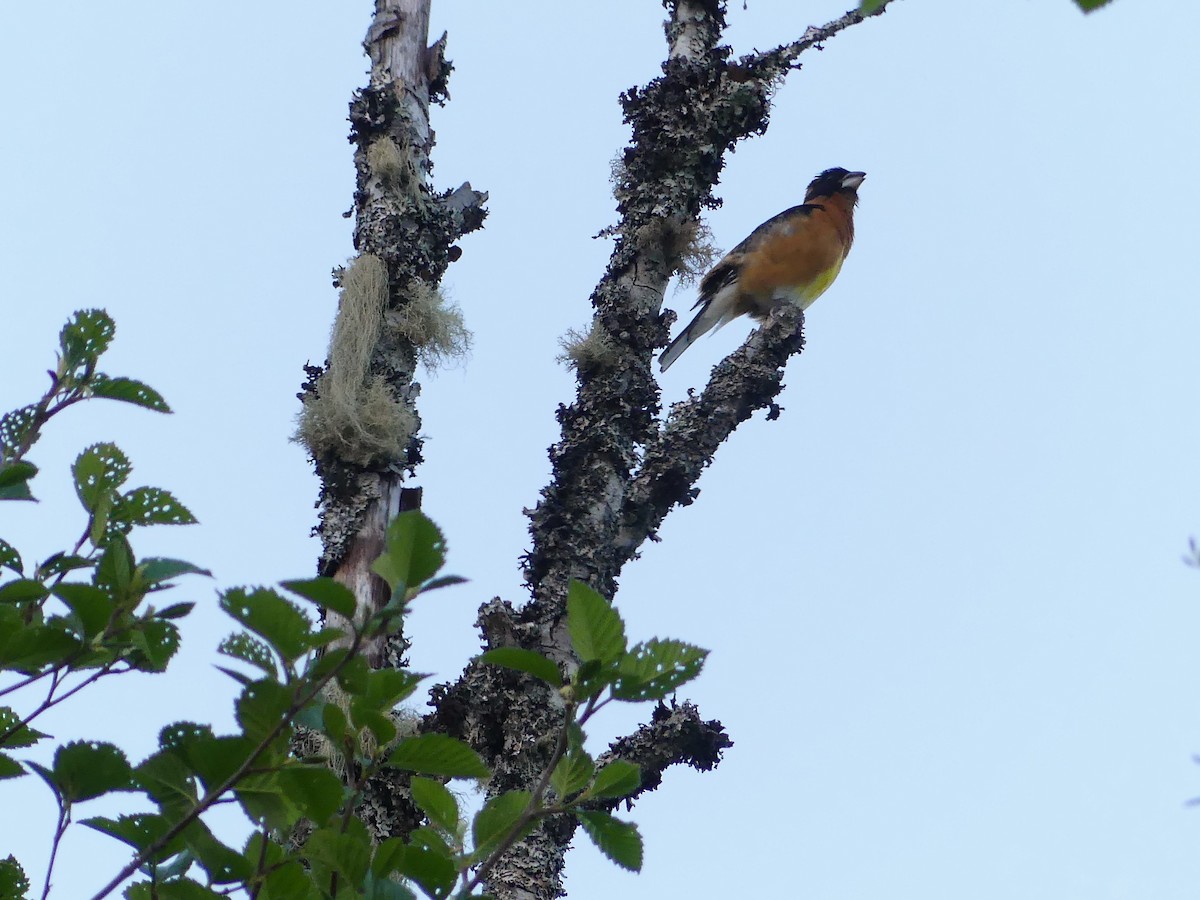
[{"x": 834, "y": 181}]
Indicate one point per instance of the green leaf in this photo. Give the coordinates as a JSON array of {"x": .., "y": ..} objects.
[
  {"x": 281, "y": 623},
  {"x": 167, "y": 780},
  {"x": 86, "y": 335},
  {"x": 497, "y": 819},
  {"x": 529, "y": 661},
  {"x": 23, "y": 736},
  {"x": 655, "y": 668},
  {"x": 386, "y": 889},
  {"x": 22, "y": 590},
  {"x": 617, "y": 840},
  {"x": 139, "y": 830},
  {"x": 387, "y": 687},
  {"x": 436, "y": 802},
  {"x": 174, "y": 611},
  {"x": 14, "y": 884},
  {"x": 262, "y": 706},
  {"x": 327, "y": 593},
  {"x": 156, "y": 570},
  {"x": 9, "y": 768},
  {"x": 250, "y": 650},
  {"x": 87, "y": 769},
  {"x": 177, "y": 889},
  {"x": 151, "y": 506},
  {"x": 35, "y": 646},
  {"x": 870, "y": 6},
  {"x": 17, "y": 428},
  {"x": 215, "y": 759},
  {"x": 222, "y": 863},
  {"x": 14, "y": 478},
  {"x": 92, "y": 606},
  {"x": 415, "y": 551},
  {"x": 438, "y": 754},
  {"x": 1091, "y": 5},
  {"x": 99, "y": 471},
  {"x": 314, "y": 789},
  {"x": 572, "y": 773},
  {"x": 334, "y": 724},
  {"x": 424, "y": 861},
  {"x": 346, "y": 853},
  {"x": 115, "y": 569},
  {"x": 366, "y": 716},
  {"x": 155, "y": 642},
  {"x": 618, "y": 779},
  {"x": 127, "y": 390},
  {"x": 597, "y": 632},
  {"x": 61, "y": 563}
]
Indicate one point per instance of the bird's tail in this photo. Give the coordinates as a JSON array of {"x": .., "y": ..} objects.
[{"x": 713, "y": 314}]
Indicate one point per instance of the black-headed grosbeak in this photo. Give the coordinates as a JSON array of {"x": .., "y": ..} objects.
[{"x": 793, "y": 257}]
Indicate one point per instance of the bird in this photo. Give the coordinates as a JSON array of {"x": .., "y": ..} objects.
[{"x": 792, "y": 257}]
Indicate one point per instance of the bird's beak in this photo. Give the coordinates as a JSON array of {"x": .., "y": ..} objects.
[{"x": 852, "y": 180}]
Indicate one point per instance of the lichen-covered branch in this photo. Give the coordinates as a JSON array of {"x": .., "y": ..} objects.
[
  {"x": 359, "y": 420},
  {"x": 747, "y": 380},
  {"x": 675, "y": 735}
]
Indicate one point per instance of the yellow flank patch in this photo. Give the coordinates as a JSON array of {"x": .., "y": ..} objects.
[{"x": 806, "y": 294}]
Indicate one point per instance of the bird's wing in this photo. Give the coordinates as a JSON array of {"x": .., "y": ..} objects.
[{"x": 725, "y": 272}]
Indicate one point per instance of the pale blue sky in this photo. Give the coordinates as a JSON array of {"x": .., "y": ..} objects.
[{"x": 951, "y": 633}]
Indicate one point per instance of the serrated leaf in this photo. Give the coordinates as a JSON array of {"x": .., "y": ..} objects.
[
  {"x": 1091, "y": 5},
  {"x": 156, "y": 570},
  {"x": 572, "y": 773},
  {"x": 522, "y": 660},
  {"x": 87, "y": 769},
  {"x": 597, "y": 632},
  {"x": 115, "y": 569},
  {"x": 154, "y": 641},
  {"x": 16, "y": 473},
  {"x": 86, "y": 335},
  {"x": 497, "y": 819},
  {"x": 92, "y": 606},
  {"x": 22, "y": 590},
  {"x": 35, "y": 646},
  {"x": 17, "y": 428},
  {"x": 127, "y": 390},
  {"x": 250, "y": 650},
  {"x": 438, "y": 754},
  {"x": 14, "y": 884},
  {"x": 327, "y": 593},
  {"x": 436, "y": 802},
  {"x": 278, "y": 621},
  {"x": 174, "y": 611},
  {"x": 9, "y": 767},
  {"x": 345, "y": 853},
  {"x": 424, "y": 862},
  {"x": 617, "y": 840},
  {"x": 24, "y": 736},
  {"x": 161, "y": 889},
  {"x": 10, "y": 558},
  {"x": 415, "y": 551},
  {"x": 150, "y": 506},
  {"x": 61, "y": 563},
  {"x": 387, "y": 687},
  {"x": 167, "y": 780},
  {"x": 655, "y": 668},
  {"x": 139, "y": 830},
  {"x": 314, "y": 789},
  {"x": 262, "y": 706},
  {"x": 99, "y": 471},
  {"x": 618, "y": 779}
]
